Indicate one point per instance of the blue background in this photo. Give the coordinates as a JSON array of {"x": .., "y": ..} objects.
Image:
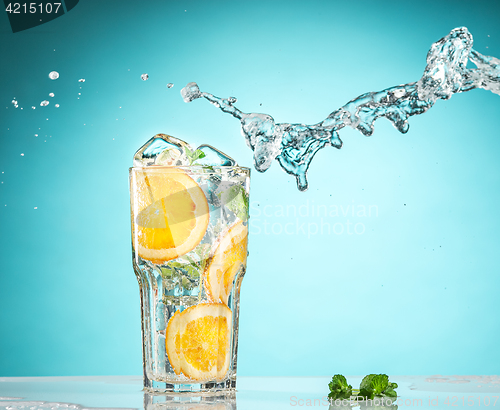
[{"x": 415, "y": 293}]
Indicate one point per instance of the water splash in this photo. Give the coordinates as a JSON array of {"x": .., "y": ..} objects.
[{"x": 294, "y": 145}]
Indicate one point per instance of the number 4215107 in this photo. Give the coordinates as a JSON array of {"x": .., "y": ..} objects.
[{"x": 32, "y": 8}]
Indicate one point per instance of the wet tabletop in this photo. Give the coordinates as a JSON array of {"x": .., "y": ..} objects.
[{"x": 125, "y": 392}]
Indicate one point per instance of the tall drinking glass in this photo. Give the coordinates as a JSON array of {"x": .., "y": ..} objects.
[{"x": 189, "y": 245}]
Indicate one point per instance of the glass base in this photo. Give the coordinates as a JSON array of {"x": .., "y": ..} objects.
[
  {"x": 153, "y": 386},
  {"x": 183, "y": 401}
]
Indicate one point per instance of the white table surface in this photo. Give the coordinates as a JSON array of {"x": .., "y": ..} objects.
[{"x": 125, "y": 392}]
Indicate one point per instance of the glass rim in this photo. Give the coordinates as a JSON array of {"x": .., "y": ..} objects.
[{"x": 189, "y": 167}]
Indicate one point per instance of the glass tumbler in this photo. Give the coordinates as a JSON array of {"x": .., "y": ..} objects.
[{"x": 189, "y": 246}]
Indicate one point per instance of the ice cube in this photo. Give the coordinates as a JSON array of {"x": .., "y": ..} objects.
[
  {"x": 154, "y": 148},
  {"x": 190, "y": 92},
  {"x": 214, "y": 157}
]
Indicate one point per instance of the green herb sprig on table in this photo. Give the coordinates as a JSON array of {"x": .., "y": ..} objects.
[
  {"x": 377, "y": 385},
  {"x": 339, "y": 389},
  {"x": 372, "y": 385}
]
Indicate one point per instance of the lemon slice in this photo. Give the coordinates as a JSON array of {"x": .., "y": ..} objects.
[
  {"x": 229, "y": 258},
  {"x": 170, "y": 213},
  {"x": 198, "y": 341}
]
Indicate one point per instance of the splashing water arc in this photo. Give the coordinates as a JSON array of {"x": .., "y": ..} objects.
[{"x": 294, "y": 145}]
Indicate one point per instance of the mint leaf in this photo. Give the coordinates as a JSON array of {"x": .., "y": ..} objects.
[
  {"x": 365, "y": 389},
  {"x": 236, "y": 199},
  {"x": 377, "y": 385},
  {"x": 390, "y": 392},
  {"x": 192, "y": 156},
  {"x": 380, "y": 383},
  {"x": 339, "y": 389},
  {"x": 166, "y": 273}
]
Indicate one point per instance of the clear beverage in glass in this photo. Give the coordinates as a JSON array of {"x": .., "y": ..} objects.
[{"x": 189, "y": 245}]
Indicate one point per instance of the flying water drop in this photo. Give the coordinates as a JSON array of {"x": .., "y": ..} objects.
[
  {"x": 44, "y": 103},
  {"x": 144, "y": 77},
  {"x": 53, "y": 75},
  {"x": 170, "y": 85}
]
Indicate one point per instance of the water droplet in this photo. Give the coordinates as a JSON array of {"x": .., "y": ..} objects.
[
  {"x": 79, "y": 93},
  {"x": 53, "y": 75},
  {"x": 22, "y": 155},
  {"x": 399, "y": 92},
  {"x": 35, "y": 207},
  {"x": 57, "y": 105},
  {"x": 170, "y": 85},
  {"x": 81, "y": 80},
  {"x": 232, "y": 100},
  {"x": 33, "y": 107},
  {"x": 51, "y": 94},
  {"x": 44, "y": 103},
  {"x": 36, "y": 135},
  {"x": 144, "y": 77}
]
